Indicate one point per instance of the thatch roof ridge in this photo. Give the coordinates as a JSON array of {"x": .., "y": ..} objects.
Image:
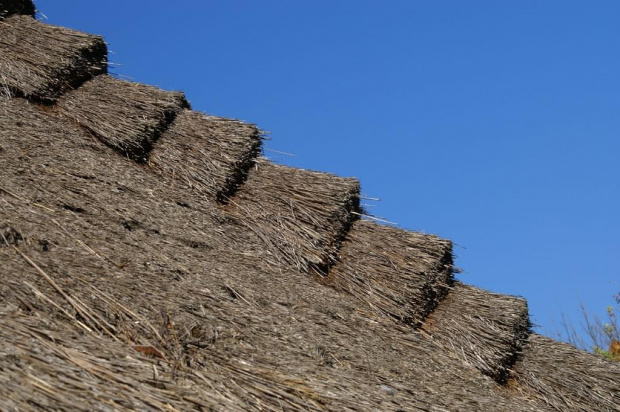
[
  {"x": 111, "y": 237},
  {"x": 10, "y": 7},
  {"x": 97, "y": 247},
  {"x": 41, "y": 61}
]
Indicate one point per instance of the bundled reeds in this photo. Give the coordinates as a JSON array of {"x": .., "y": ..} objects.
[
  {"x": 42, "y": 62},
  {"x": 486, "y": 329},
  {"x": 126, "y": 116},
  {"x": 302, "y": 216},
  {"x": 209, "y": 155},
  {"x": 9, "y": 7},
  {"x": 397, "y": 273},
  {"x": 566, "y": 378},
  {"x": 104, "y": 246}
]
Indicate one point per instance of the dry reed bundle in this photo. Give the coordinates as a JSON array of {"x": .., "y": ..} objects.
[
  {"x": 128, "y": 117},
  {"x": 398, "y": 273},
  {"x": 207, "y": 154},
  {"x": 123, "y": 256},
  {"x": 302, "y": 216},
  {"x": 566, "y": 378},
  {"x": 9, "y": 7},
  {"x": 42, "y": 62},
  {"x": 486, "y": 329}
]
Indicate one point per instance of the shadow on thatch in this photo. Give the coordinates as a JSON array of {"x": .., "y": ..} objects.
[{"x": 9, "y": 7}]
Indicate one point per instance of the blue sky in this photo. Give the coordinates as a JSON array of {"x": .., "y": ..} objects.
[{"x": 492, "y": 123}]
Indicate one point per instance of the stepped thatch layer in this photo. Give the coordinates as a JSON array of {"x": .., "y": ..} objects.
[
  {"x": 41, "y": 62},
  {"x": 206, "y": 154},
  {"x": 302, "y": 216},
  {"x": 487, "y": 329},
  {"x": 128, "y": 117},
  {"x": 397, "y": 273}
]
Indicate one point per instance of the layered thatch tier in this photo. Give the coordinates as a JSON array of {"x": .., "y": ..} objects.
[
  {"x": 486, "y": 329},
  {"x": 566, "y": 378},
  {"x": 206, "y": 154},
  {"x": 9, "y": 7},
  {"x": 126, "y": 116},
  {"x": 104, "y": 247},
  {"x": 42, "y": 62},
  {"x": 397, "y": 273},
  {"x": 302, "y": 216}
]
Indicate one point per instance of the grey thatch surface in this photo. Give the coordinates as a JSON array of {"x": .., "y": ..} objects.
[
  {"x": 567, "y": 378},
  {"x": 128, "y": 117},
  {"x": 486, "y": 329},
  {"x": 397, "y": 273},
  {"x": 302, "y": 216},
  {"x": 122, "y": 291},
  {"x": 41, "y": 62},
  {"x": 207, "y": 154},
  {"x": 51, "y": 365},
  {"x": 9, "y": 7},
  {"x": 122, "y": 256}
]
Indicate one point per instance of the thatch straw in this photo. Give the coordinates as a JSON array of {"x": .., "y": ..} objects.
[
  {"x": 42, "y": 62},
  {"x": 398, "y": 273},
  {"x": 566, "y": 378},
  {"x": 486, "y": 329},
  {"x": 126, "y": 116},
  {"x": 302, "y": 216},
  {"x": 206, "y": 154},
  {"x": 180, "y": 280},
  {"x": 9, "y": 7}
]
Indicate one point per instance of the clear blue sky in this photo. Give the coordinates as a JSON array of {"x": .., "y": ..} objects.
[{"x": 493, "y": 123}]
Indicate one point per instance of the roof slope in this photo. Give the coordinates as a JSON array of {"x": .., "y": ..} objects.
[{"x": 150, "y": 260}]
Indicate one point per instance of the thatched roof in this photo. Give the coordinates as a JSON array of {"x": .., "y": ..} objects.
[{"x": 151, "y": 260}]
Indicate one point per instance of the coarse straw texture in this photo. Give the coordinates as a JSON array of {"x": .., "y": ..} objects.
[
  {"x": 397, "y": 273},
  {"x": 50, "y": 365},
  {"x": 126, "y": 116},
  {"x": 302, "y": 216},
  {"x": 42, "y": 62},
  {"x": 102, "y": 245},
  {"x": 486, "y": 329},
  {"x": 566, "y": 378},
  {"x": 9, "y": 7},
  {"x": 209, "y": 155}
]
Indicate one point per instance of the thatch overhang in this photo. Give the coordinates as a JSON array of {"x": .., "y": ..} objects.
[
  {"x": 206, "y": 154},
  {"x": 9, "y": 7},
  {"x": 301, "y": 215},
  {"x": 41, "y": 62},
  {"x": 487, "y": 329},
  {"x": 126, "y": 116},
  {"x": 132, "y": 284},
  {"x": 398, "y": 273}
]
